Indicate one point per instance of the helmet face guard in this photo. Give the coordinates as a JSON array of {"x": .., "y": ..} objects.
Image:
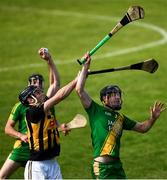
[
  {"x": 27, "y": 92},
  {"x": 34, "y": 78},
  {"x": 107, "y": 90}
]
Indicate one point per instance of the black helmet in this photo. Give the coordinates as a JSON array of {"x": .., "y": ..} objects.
[
  {"x": 108, "y": 90},
  {"x": 35, "y": 76},
  {"x": 28, "y": 91}
]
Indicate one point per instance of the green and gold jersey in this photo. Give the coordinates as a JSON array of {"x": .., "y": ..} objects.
[
  {"x": 106, "y": 129},
  {"x": 43, "y": 134},
  {"x": 20, "y": 152},
  {"x": 18, "y": 114}
]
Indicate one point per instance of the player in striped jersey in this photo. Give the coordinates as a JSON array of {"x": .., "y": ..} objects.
[{"x": 43, "y": 135}]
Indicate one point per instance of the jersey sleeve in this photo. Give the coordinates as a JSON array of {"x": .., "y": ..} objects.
[
  {"x": 15, "y": 113},
  {"x": 91, "y": 109},
  {"x": 128, "y": 124},
  {"x": 35, "y": 114}
]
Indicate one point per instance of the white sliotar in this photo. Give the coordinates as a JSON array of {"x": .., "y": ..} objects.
[{"x": 46, "y": 50}]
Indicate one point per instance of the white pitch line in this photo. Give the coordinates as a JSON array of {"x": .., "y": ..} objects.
[{"x": 152, "y": 27}]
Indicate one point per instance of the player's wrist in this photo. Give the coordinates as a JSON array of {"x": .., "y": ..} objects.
[
  {"x": 152, "y": 119},
  {"x": 19, "y": 135}
]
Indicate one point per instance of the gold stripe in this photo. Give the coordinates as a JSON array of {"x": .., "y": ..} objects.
[
  {"x": 13, "y": 110},
  {"x": 109, "y": 144},
  {"x": 17, "y": 144},
  {"x": 110, "y": 141}
]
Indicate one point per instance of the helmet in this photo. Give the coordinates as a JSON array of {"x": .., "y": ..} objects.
[
  {"x": 108, "y": 90},
  {"x": 35, "y": 77},
  {"x": 28, "y": 91}
]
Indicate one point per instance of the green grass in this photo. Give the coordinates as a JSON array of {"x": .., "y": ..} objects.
[{"x": 69, "y": 29}]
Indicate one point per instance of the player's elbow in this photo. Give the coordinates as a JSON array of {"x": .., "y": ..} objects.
[
  {"x": 141, "y": 128},
  {"x": 145, "y": 127},
  {"x": 6, "y": 130},
  {"x": 143, "y": 131}
]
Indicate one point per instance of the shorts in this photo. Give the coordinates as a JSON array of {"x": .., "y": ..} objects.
[
  {"x": 112, "y": 170},
  {"x": 46, "y": 169},
  {"x": 20, "y": 153}
]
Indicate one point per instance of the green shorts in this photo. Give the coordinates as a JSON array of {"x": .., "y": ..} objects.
[
  {"x": 112, "y": 170},
  {"x": 20, "y": 153}
]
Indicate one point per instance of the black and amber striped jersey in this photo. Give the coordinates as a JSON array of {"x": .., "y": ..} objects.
[{"x": 43, "y": 134}]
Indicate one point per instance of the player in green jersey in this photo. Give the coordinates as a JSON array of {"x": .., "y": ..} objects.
[
  {"x": 107, "y": 125},
  {"x": 20, "y": 153}
]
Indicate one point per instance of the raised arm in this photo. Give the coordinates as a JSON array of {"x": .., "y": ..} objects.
[
  {"x": 54, "y": 78},
  {"x": 155, "y": 111},
  {"x": 84, "y": 97},
  {"x": 60, "y": 95}
]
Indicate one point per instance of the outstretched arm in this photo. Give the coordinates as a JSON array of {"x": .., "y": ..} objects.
[
  {"x": 155, "y": 111},
  {"x": 84, "y": 97},
  {"x": 54, "y": 78},
  {"x": 60, "y": 95}
]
